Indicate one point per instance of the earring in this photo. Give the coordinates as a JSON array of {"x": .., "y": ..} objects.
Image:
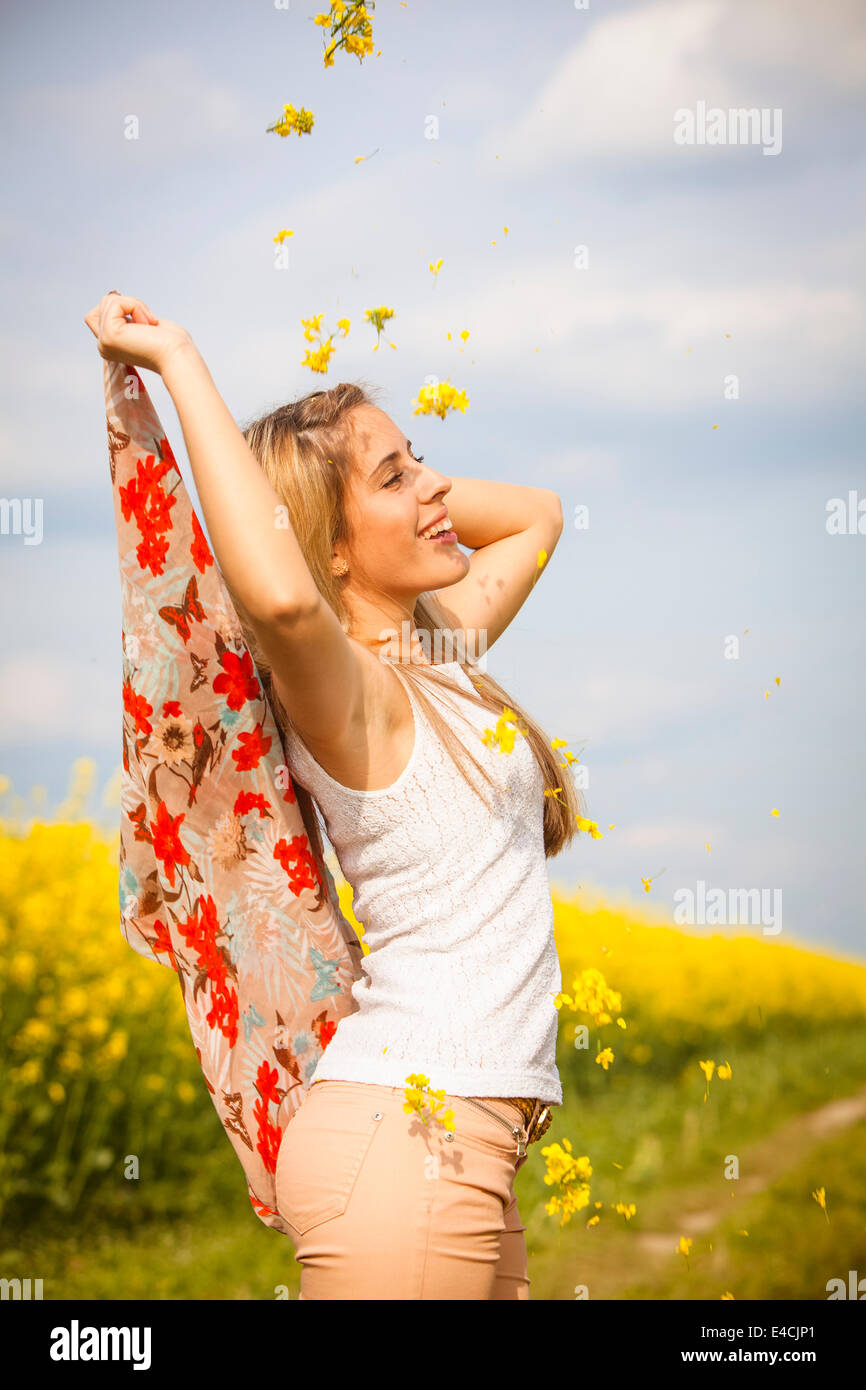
[{"x": 341, "y": 568}]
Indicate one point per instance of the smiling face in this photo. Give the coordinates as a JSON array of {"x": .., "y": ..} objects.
[{"x": 393, "y": 497}]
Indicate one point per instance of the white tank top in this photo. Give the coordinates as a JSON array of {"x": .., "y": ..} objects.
[{"x": 457, "y": 912}]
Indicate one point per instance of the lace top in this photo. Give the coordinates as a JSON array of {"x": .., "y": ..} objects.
[{"x": 462, "y": 966}]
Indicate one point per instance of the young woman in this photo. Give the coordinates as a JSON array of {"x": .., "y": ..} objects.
[{"x": 340, "y": 548}]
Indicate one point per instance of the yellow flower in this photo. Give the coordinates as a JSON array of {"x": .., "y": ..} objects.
[
  {"x": 378, "y": 318},
  {"x": 437, "y": 267},
  {"x": 503, "y": 735},
  {"x": 685, "y": 1245},
  {"x": 317, "y": 359},
  {"x": 115, "y": 1049},
  {"x": 439, "y": 399},
  {"x": 300, "y": 121},
  {"x": 350, "y": 23},
  {"x": 56, "y": 1092},
  {"x": 344, "y": 326},
  {"x": 22, "y": 968},
  {"x": 725, "y": 1071},
  {"x": 419, "y": 1093},
  {"x": 591, "y": 826},
  {"x": 707, "y": 1068},
  {"x": 281, "y": 236},
  {"x": 626, "y": 1211},
  {"x": 311, "y": 326},
  {"x": 605, "y": 1057}
]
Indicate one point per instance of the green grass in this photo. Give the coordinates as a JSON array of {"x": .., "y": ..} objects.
[{"x": 204, "y": 1242}]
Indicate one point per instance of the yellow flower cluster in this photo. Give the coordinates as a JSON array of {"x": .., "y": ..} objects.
[
  {"x": 591, "y": 995},
  {"x": 378, "y": 318},
  {"x": 419, "y": 1094},
  {"x": 503, "y": 735},
  {"x": 571, "y": 1175},
  {"x": 439, "y": 399},
  {"x": 85, "y": 1024},
  {"x": 300, "y": 121},
  {"x": 317, "y": 359},
  {"x": 349, "y": 27}
]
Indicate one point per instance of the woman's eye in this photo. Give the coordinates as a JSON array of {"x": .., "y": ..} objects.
[{"x": 395, "y": 478}]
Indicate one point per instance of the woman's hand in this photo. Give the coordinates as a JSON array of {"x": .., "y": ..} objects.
[{"x": 146, "y": 341}]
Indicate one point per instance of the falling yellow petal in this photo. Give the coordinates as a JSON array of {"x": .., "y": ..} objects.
[
  {"x": 708, "y": 847},
  {"x": 778, "y": 680},
  {"x": 774, "y": 812},
  {"x": 715, "y": 427}
]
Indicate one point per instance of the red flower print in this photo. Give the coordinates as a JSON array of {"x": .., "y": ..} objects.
[
  {"x": 166, "y": 841},
  {"x": 298, "y": 861},
  {"x": 237, "y": 681},
  {"x": 138, "y": 707},
  {"x": 151, "y": 553},
  {"x": 325, "y": 1032},
  {"x": 255, "y": 745},
  {"x": 251, "y": 801},
  {"x": 161, "y": 943},
  {"x": 200, "y": 550},
  {"x": 144, "y": 499},
  {"x": 201, "y": 936},
  {"x": 269, "y": 1136},
  {"x": 170, "y": 708}
]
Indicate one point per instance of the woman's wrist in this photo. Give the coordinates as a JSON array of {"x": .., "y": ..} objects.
[{"x": 183, "y": 359}]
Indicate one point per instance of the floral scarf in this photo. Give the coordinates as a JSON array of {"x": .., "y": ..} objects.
[{"x": 219, "y": 879}]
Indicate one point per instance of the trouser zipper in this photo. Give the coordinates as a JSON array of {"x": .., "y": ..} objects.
[{"x": 516, "y": 1130}]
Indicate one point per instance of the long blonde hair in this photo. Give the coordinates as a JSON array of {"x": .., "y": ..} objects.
[{"x": 305, "y": 449}]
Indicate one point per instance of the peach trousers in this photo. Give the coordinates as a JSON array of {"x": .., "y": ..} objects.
[{"x": 381, "y": 1205}]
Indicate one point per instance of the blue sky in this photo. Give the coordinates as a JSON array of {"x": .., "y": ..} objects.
[{"x": 704, "y": 261}]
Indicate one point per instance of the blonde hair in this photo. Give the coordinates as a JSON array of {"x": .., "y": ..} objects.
[{"x": 306, "y": 450}]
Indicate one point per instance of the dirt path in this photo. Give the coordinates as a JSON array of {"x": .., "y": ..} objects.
[{"x": 767, "y": 1161}]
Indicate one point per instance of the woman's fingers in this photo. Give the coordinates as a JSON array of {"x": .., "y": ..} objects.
[{"x": 115, "y": 307}]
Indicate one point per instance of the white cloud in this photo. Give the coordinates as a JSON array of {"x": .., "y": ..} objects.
[{"x": 614, "y": 94}]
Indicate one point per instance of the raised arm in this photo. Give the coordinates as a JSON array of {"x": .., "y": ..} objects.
[
  {"x": 317, "y": 668},
  {"x": 507, "y": 525}
]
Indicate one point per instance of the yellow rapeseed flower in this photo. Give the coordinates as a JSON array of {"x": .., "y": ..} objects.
[{"x": 439, "y": 399}]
